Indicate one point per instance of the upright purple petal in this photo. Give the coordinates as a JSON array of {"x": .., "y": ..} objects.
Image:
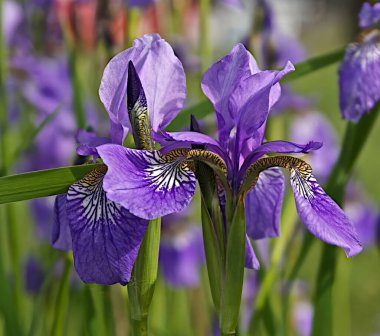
[
  {"x": 263, "y": 205},
  {"x": 162, "y": 77},
  {"x": 145, "y": 182},
  {"x": 140, "y": 3},
  {"x": 369, "y": 15},
  {"x": 106, "y": 237},
  {"x": 221, "y": 80},
  {"x": 321, "y": 215},
  {"x": 359, "y": 85},
  {"x": 60, "y": 234},
  {"x": 253, "y": 99}
]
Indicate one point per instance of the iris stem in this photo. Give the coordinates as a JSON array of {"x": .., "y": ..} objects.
[
  {"x": 144, "y": 277},
  {"x": 289, "y": 219},
  {"x": 62, "y": 300},
  {"x": 355, "y": 137}
]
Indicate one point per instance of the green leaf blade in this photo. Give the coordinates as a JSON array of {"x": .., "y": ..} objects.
[{"x": 41, "y": 183}]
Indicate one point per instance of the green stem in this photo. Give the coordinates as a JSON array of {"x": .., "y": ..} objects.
[
  {"x": 204, "y": 34},
  {"x": 143, "y": 279},
  {"x": 99, "y": 319},
  {"x": 289, "y": 219},
  {"x": 354, "y": 140},
  {"x": 62, "y": 300}
]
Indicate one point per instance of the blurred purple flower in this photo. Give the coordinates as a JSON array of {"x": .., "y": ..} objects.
[
  {"x": 369, "y": 15},
  {"x": 34, "y": 275},
  {"x": 181, "y": 251},
  {"x": 303, "y": 318},
  {"x": 359, "y": 73},
  {"x": 140, "y": 3},
  {"x": 313, "y": 125},
  {"x": 363, "y": 214},
  {"x": 12, "y": 17}
]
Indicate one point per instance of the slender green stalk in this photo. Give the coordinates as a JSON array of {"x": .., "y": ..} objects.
[
  {"x": 288, "y": 218},
  {"x": 99, "y": 319},
  {"x": 62, "y": 300},
  {"x": 204, "y": 34},
  {"x": 354, "y": 140},
  {"x": 143, "y": 279}
]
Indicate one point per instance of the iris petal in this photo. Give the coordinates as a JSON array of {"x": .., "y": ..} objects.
[
  {"x": 146, "y": 182},
  {"x": 264, "y": 203},
  {"x": 106, "y": 237},
  {"x": 60, "y": 235},
  {"x": 321, "y": 215}
]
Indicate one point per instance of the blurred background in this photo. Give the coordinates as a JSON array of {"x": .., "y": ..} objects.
[{"x": 56, "y": 51}]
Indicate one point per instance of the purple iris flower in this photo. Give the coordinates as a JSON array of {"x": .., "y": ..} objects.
[
  {"x": 359, "y": 72},
  {"x": 369, "y": 15},
  {"x": 12, "y": 17},
  {"x": 154, "y": 183},
  {"x": 181, "y": 251}
]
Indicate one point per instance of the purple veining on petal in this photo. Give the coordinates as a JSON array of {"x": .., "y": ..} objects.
[
  {"x": 106, "y": 237},
  {"x": 322, "y": 216},
  {"x": 145, "y": 183},
  {"x": 263, "y": 205}
]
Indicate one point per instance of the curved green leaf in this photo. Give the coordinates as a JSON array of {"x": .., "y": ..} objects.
[{"x": 40, "y": 183}]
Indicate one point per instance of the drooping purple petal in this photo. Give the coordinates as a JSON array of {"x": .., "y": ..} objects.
[
  {"x": 315, "y": 126},
  {"x": 251, "y": 260},
  {"x": 263, "y": 205},
  {"x": 279, "y": 146},
  {"x": 359, "y": 87},
  {"x": 162, "y": 77},
  {"x": 60, "y": 234},
  {"x": 145, "y": 182},
  {"x": 34, "y": 275},
  {"x": 322, "y": 216},
  {"x": 221, "y": 80},
  {"x": 369, "y": 15},
  {"x": 106, "y": 237}
]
